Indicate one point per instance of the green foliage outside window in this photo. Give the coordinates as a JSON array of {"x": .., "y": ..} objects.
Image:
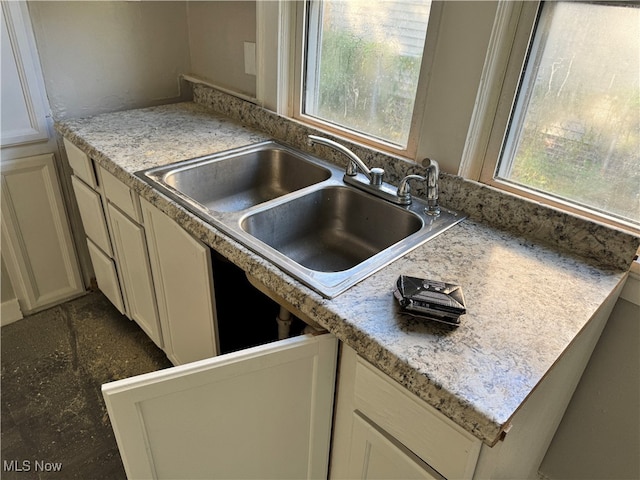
[{"x": 366, "y": 85}]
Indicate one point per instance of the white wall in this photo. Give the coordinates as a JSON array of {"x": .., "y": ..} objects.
[
  {"x": 457, "y": 62},
  {"x": 217, "y": 32},
  {"x": 599, "y": 437},
  {"x": 113, "y": 55}
]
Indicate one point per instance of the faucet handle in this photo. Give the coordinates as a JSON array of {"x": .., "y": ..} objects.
[
  {"x": 377, "y": 175},
  {"x": 404, "y": 189}
]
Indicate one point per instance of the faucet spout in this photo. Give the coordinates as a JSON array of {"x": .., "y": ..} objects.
[
  {"x": 373, "y": 184},
  {"x": 433, "y": 174},
  {"x": 355, "y": 162}
]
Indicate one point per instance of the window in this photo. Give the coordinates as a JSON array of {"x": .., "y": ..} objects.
[
  {"x": 573, "y": 136},
  {"x": 362, "y": 68}
]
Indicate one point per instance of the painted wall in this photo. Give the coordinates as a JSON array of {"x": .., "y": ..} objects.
[
  {"x": 107, "y": 56},
  {"x": 217, "y": 32},
  {"x": 454, "y": 78},
  {"x": 599, "y": 437}
]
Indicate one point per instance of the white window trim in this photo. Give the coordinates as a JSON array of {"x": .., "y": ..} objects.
[
  {"x": 296, "y": 21},
  {"x": 274, "y": 25},
  {"x": 509, "y": 40}
]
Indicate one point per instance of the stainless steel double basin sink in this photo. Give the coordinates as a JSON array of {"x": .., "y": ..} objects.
[{"x": 294, "y": 210}]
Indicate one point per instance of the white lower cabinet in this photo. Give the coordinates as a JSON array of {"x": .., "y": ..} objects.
[
  {"x": 382, "y": 430},
  {"x": 131, "y": 250},
  {"x": 260, "y": 413},
  {"x": 106, "y": 276},
  {"x": 37, "y": 248},
  {"x": 92, "y": 214},
  {"x": 148, "y": 266},
  {"x": 376, "y": 455},
  {"x": 183, "y": 279}
]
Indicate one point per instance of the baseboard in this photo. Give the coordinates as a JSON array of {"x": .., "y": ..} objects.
[{"x": 10, "y": 312}]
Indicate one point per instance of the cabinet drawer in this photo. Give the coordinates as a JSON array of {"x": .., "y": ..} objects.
[
  {"x": 120, "y": 195},
  {"x": 81, "y": 164},
  {"x": 445, "y": 446},
  {"x": 106, "y": 276},
  {"x": 92, "y": 214}
]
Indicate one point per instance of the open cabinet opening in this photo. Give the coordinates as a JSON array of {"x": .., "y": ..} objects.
[{"x": 246, "y": 317}]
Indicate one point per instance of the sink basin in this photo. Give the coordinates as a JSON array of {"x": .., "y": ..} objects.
[
  {"x": 331, "y": 229},
  {"x": 334, "y": 236},
  {"x": 295, "y": 211},
  {"x": 248, "y": 177}
]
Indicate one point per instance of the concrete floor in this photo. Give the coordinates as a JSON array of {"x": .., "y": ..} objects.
[{"x": 53, "y": 364}]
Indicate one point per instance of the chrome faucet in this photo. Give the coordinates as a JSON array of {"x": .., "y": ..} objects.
[
  {"x": 374, "y": 175},
  {"x": 374, "y": 183},
  {"x": 431, "y": 179},
  {"x": 433, "y": 175}
]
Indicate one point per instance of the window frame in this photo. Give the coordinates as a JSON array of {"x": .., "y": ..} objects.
[
  {"x": 513, "y": 40},
  {"x": 299, "y": 57}
]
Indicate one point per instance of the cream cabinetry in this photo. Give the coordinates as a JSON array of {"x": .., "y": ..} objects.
[
  {"x": 39, "y": 261},
  {"x": 259, "y": 413},
  {"x": 376, "y": 455},
  {"x": 106, "y": 275},
  {"x": 378, "y": 422},
  {"x": 383, "y": 431},
  {"x": 92, "y": 208},
  {"x": 131, "y": 250},
  {"x": 116, "y": 241},
  {"x": 150, "y": 268},
  {"x": 36, "y": 242},
  {"x": 183, "y": 280},
  {"x": 93, "y": 216}
]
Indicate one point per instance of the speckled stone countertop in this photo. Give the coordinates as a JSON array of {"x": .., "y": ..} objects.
[{"x": 526, "y": 302}]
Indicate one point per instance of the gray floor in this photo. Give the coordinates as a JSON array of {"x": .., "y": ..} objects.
[{"x": 53, "y": 364}]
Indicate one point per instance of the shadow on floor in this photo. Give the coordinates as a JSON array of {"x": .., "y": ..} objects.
[{"x": 54, "y": 421}]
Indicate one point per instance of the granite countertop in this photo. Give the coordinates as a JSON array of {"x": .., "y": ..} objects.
[{"x": 526, "y": 302}]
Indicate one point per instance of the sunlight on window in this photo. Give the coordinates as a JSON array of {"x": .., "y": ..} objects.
[
  {"x": 363, "y": 64},
  {"x": 575, "y": 130}
]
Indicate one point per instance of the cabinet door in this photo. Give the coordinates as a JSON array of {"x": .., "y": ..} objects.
[
  {"x": 263, "y": 412},
  {"x": 133, "y": 263},
  {"x": 36, "y": 239},
  {"x": 106, "y": 276},
  {"x": 376, "y": 455},
  {"x": 183, "y": 280},
  {"x": 92, "y": 214}
]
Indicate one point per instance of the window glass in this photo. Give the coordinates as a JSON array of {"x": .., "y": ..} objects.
[
  {"x": 363, "y": 64},
  {"x": 575, "y": 127}
]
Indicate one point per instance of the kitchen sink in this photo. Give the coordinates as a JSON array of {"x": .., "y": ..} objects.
[
  {"x": 239, "y": 180},
  {"x": 332, "y": 228},
  {"x": 294, "y": 210}
]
